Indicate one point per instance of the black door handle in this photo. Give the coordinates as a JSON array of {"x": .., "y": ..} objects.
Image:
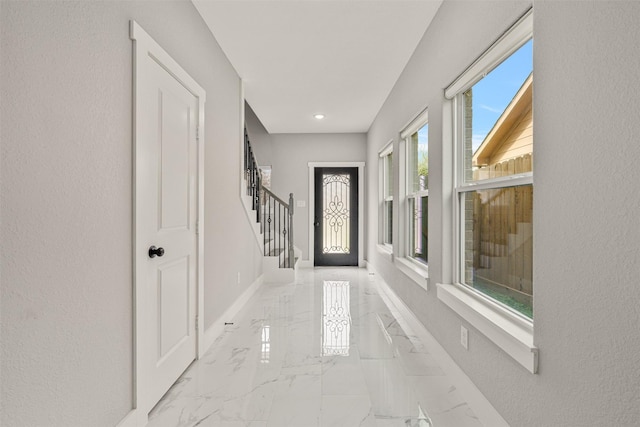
[
  {"x": 316, "y": 223},
  {"x": 153, "y": 252}
]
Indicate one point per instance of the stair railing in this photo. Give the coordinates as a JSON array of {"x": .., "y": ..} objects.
[
  {"x": 278, "y": 227},
  {"x": 274, "y": 215},
  {"x": 252, "y": 176}
]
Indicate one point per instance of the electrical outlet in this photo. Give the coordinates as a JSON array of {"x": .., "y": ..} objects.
[{"x": 464, "y": 337}]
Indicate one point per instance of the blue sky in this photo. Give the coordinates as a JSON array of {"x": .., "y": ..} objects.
[
  {"x": 423, "y": 137},
  {"x": 492, "y": 94}
]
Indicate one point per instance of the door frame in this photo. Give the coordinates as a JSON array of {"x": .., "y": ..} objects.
[
  {"x": 312, "y": 207},
  {"x": 145, "y": 47}
]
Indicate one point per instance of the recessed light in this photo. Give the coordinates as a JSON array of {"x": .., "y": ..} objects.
[{"x": 319, "y": 116}]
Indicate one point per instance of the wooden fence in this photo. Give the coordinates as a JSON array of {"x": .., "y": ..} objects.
[{"x": 503, "y": 229}]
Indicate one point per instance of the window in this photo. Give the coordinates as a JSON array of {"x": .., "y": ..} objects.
[
  {"x": 418, "y": 193},
  {"x": 386, "y": 214},
  {"x": 494, "y": 182},
  {"x": 416, "y": 137},
  {"x": 489, "y": 142}
]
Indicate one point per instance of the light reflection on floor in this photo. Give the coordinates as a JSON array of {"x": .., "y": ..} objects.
[
  {"x": 336, "y": 318},
  {"x": 324, "y": 351}
]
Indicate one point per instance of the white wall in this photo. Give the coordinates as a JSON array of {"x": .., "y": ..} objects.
[
  {"x": 290, "y": 173},
  {"x": 66, "y": 199},
  {"x": 587, "y": 237}
]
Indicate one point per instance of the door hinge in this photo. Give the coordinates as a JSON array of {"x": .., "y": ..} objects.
[
  {"x": 197, "y": 133},
  {"x": 197, "y": 322},
  {"x": 197, "y": 227}
]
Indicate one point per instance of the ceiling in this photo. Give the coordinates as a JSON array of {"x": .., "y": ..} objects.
[{"x": 298, "y": 58}]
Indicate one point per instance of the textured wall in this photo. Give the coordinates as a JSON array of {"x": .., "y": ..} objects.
[
  {"x": 291, "y": 155},
  {"x": 587, "y": 238},
  {"x": 66, "y": 199},
  {"x": 66, "y": 216}
]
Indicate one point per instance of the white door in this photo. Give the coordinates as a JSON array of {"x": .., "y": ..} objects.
[{"x": 167, "y": 172}]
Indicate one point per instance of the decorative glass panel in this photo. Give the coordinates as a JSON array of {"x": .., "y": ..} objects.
[
  {"x": 336, "y": 318},
  {"x": 336, "y": 213}
]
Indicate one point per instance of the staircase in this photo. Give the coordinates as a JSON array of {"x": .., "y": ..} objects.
[{"x": 273, "y": 222}]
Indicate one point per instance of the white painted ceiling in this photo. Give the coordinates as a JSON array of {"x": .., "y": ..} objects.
[{"x": 297, "y": 58}]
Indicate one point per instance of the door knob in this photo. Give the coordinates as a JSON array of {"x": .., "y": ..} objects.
[{"x": 153, "y": 252}]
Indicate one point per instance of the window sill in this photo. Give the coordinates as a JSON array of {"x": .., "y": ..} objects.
[
  {"x": 386, "y": 250},
  {"x": 415, "y": 272},
  {"x": 511, "y": 333}
]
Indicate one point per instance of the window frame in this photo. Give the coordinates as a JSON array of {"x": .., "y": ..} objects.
[
  {"x": 386, "y": 183},
  {"x": 509, "y": 330},
  {"x": 409, "y": 194},
  {"x": 416, "y": 270},
  {"x": 462, "y": 186}
]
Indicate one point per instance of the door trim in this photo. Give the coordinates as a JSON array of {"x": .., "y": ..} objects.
[
  {"x": 144, "y": 46},
  {"x": 312, "y": 194},
  {"x": 321, "y": 227}
]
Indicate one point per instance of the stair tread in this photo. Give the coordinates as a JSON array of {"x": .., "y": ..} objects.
[{"x": 283, "y": 264}]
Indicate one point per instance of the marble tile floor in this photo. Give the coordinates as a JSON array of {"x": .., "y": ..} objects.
[{"x": 324, "y": 351}]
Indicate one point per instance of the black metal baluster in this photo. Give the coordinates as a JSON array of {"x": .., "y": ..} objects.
[
  {"x": 256, "y": 190},
  {"x": 279, "y": 232},
  {"x": 253, "y": 184},
  {"x": 249, "y": 173},
  {"x": 291, "y": 248},
  {"x": 269, "y": 225},
  {"x": 287, "y": 244},
  {"x": 258, "y": 187},
  {"x": 246, "y": 167},
  {"x": 284, "y": 237},
  {"x": 246, "y": 151}
]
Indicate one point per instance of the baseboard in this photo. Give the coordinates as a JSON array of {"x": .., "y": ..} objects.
[
  {"x": 215, "y": 330},
  {"x": 134, "y": 418},
  {"x": 484, "y": 410},
  {"x": 305, "y": 263}
]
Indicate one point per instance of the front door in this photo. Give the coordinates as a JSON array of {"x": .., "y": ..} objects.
[
  {"x": 167, "y": 171},
  {"x": 336, "y": 216}
]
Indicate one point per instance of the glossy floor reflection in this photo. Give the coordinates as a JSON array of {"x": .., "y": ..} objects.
[{"x": 324, "y": 351}]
